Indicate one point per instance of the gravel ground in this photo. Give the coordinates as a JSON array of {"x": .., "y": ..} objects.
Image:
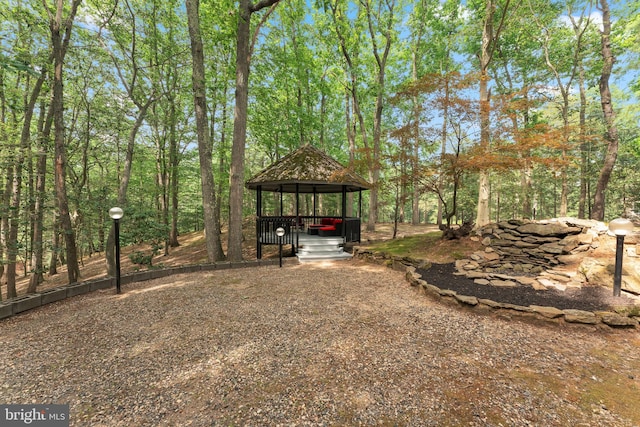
[{"x": 348, "y": 344}]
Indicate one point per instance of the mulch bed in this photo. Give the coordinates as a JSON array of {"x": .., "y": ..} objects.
[{"x": 588, "y": 298}]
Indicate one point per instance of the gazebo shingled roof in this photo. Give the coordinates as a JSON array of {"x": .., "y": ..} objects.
[{"x": 307, "y": 170}]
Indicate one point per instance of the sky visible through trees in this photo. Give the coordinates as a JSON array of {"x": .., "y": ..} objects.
[{"x": 477, "y": 111}]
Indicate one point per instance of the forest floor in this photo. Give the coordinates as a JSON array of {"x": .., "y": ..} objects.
[{"x": 192, "y": 250}]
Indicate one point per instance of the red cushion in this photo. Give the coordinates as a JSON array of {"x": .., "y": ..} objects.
[
  {"x": 337, "y": 221},
  {"x": 328, "y": 228},
  {"x": 326, "y": 221}
]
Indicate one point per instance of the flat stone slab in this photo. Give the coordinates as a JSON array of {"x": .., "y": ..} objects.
[
  {"x": 617, "y": 320},
  {"x": 580, "y": 316},
  {"x": 503, "y": 283},
  {"x": 548, "y": 312},
  {"x": 467, "y": 299}
]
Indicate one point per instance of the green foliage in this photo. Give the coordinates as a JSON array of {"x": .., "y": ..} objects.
[
  {"x": 301, "y": 91},
  {"x": 141, "y": 225}
]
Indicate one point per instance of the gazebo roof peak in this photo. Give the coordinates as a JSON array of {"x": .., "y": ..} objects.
[{"x": 307, "y": 170}]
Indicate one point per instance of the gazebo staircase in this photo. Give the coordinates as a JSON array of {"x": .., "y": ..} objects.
[{"x": 316, "y": 249}]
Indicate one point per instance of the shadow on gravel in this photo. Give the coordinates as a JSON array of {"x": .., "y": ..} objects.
[{"x": 588, "y": 298}]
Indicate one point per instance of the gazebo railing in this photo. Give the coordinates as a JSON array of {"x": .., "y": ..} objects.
[
  {"x": 267, "y": 225},
  {"x": 352, "y": 230},
  {"x": 266, "y": 229}
]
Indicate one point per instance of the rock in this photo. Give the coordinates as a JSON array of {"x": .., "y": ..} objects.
[
  {"x": 471, "y": 265},
  {"x": 569, "y": 259},
  {"x": 481, "y": 282},
  {"x": 460, "y": 263},
  {"x": 551, "y": 229},
  {"x": 503, "y": 283},
  {"x": 552, "y": 248},
  {"x": 486, "y": 241},
  {"x": 632, "y": 239},
  {"x": 476, "y": 275},
  {"x": 447, "y": 293},
  {"x": 508, "y": 236},
  {"x": 548, "y": 312},
  {"x": 584, "y": 223},
  {"x": 540, "y": 240},
  {"x": 431, "y": 289},
  {"x": 524, "y": 280},
  {"x": 489, "y": 303},
  {"x": 571, "y": 242},
  {"x": 490, "y": 256},
  {"x": 557, "y": 277},
  {"x": 548, "y": 283},
  {"x": 523, "y": 244},
  {"x": 615, "y": 319},
  {"x": 469, "y": 300},
  {"x": 538, "y": 286},
  {"x": 580, "y": 316}
]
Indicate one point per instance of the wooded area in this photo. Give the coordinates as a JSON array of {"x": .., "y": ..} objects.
[{"x": 454, "y": 111}]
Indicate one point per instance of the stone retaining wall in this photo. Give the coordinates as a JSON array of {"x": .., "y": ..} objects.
[
  {"x": 409, "y": 265},
  {"x": 532, "y": 247}
]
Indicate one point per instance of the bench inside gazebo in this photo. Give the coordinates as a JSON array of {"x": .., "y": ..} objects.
[{"x": 312, "y": 236}]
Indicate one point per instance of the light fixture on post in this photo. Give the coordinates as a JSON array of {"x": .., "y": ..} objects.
[
  {"x": 280, "y": 233},
  {"x": 115, "y": 214},
  {"x": 620, "y": 227}
]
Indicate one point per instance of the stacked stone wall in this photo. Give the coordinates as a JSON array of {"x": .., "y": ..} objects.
[{"x": 532, "y": 247}]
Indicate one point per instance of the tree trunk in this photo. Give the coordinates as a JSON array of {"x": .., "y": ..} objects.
[
  {"x": 236, "y": 177},
  {"x": 55, "y": 245},
  {"x": 609, "y": 115},
  {"x": 38, "y": 226},
  {"x": 490, "y": 36},
  {"x": 236, "y": 174},
  {"x": 482, "y": 217},
  {"x": 584, "y": 165},
  {"x": 59, "y": 51},
  {"x": 16, "y": 192},
  {"x": 211, "y": 219},
  {"x": 173, "y": 178},
  {"x": 6, "y": 227}
]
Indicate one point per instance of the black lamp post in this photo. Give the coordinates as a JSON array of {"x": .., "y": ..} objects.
[
  {"x": 280, "y": 233},
  {"x": 620, "y": 227},
  {"x": 115, "y": 214}
]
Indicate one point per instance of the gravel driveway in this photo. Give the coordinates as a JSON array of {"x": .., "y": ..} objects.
[{"x": 348, "y": 344}]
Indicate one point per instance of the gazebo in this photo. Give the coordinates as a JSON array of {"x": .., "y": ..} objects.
[{"x": 306, "y": 170}]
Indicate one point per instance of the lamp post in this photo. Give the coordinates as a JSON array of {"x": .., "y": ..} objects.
[
  {"x": 280, "y": 233},
  {"x": 115, "y": 214},
  {"x": 620, "y": 227}
]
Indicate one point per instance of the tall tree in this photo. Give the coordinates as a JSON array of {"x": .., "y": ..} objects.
[
  {"x": 380, "y": 20},
  {"x": 60, "y": 29},
  {"x": 494, "y": 19},
  {"x": 611, "y": 135},
  {"x": 211, "y": 213},
  {"x": 25, "y": 142},
  {"x": 236, "y": 178}
]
